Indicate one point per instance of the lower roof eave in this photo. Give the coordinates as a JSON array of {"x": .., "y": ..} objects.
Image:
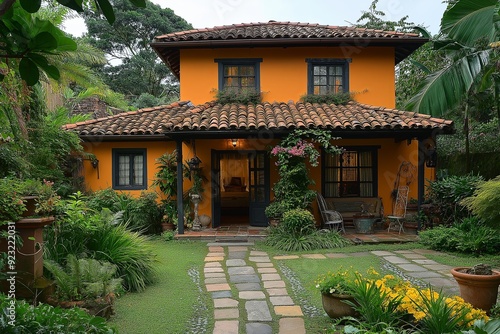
[
  {"x": 270, "y": 134},
  {"x": 115, "y": 138}
]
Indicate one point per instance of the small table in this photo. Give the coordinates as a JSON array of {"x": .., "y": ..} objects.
[{"x": 363, "y": 222}]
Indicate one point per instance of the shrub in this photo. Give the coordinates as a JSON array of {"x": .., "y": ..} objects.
[
  {"x": 106, "y": 198},
  {"x": 83, "y": 278},
  {"x": 48, "y": 319},
  {"x": 145, "y": 214},
  {"x": 11, "y": 203},
  {"x": 298, "y": 222},
  {"x": 101, "y": 236},
  {"x": 248, "y": 96},
  {"x": 469, "y": 237},
  {"x": 281, "y": 239},
  {"x": 129, "y": 251},
  {"x": 332, "y": 98},
  {"x": 484, "y": 203},
  {"x": 447, "y": 193}
]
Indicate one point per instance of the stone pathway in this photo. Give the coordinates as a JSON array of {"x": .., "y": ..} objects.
[{"x": 248, "y": 291}]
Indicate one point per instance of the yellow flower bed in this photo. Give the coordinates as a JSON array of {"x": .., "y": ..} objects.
[{"x": 414, "y": 302}]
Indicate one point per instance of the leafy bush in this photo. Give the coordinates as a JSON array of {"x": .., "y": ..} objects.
[
  {"x": 485, "y": 202},
  {"x": 11, "y": 203},
  {"x": 48, "y": 319},
  {"x": 101, "y": 236},
  {"x": 279, "y": 238},
  {"x": 248, "y": 96},
  {"x": 469, "y": 237},
  {"x": 332, "y": 98},
  {"x": 141, "y": 214},
  {"x": 377, "y": 306},
  {"x": 298, "y": 222},
  {"x": 447, "y": 193},
  {"x": 129, "y": 251},
  {"x": 83, "y": 278}
]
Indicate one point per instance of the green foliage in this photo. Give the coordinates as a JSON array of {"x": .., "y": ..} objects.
[
  {"x": 82, "y": 232},
  {"x": 468, "y": 237},
  {"x": 332, "y": 98},
  {"x": 48, "y": 319},
  {"x": 168, "y": 235},
  {"x": 374, "y": 19},
  {"x": 229, "y": 96},
  {"x": 447, "y": 193},
  {"x": 441, "y": 317},
  {"x": 11, "y": 202},
  {"x": 375, "y": 306},
  {"x": 35, "y": 38},
  {"x": 129, "y": 251},
  {"x": 279, "y": 238},
  {"x": 298, "y": 222},
  {"x": 142, "y": 214},
  {"x": 484, "y": 203},
  {"x": 83, "y": 278},
  {"x": 292, "y": 189},
  {"x": 166, "y": 174},
  {"x": 139, "y": 71}
]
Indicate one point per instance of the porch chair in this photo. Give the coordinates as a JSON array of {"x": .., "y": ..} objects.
[
  {"x": 399, "y": 211},
  {"x": 331, "y": 218}
]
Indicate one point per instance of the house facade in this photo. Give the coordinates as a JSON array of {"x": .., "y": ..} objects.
[{"x": 281, "y": 62}]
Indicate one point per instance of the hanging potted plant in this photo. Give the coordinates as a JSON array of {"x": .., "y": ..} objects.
[{"x": 478, "y": 285}]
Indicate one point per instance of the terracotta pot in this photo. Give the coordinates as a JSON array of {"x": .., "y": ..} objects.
[
  {"x": 167, "y": 227},
  {"x": 479, "y": 290},
  {"x": 336, "y": 307}
]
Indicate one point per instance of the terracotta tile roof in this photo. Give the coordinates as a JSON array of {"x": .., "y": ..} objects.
[
  {"x": 281, "y": 34},
  {"x": 181, "y": 117},
  {"x": 273, "y": 29}
]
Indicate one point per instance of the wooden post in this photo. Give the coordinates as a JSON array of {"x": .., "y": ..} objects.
[
  {"x": 421, "y": 178},
  {"x": 180, "y": 201}
]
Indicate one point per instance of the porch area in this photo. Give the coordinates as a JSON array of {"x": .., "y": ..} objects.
[{"x": 246, "y": 233}]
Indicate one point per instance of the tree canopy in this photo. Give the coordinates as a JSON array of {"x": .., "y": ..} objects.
[{"x": 126, "y": 42}]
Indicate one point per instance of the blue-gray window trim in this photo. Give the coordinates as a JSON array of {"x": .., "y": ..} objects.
[
  {"x": 239, "y": 61},
  {"x": 116, "y": 153},
  {"x": 311, "y": 62}
]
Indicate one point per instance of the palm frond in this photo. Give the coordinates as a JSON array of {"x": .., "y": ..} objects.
[
  {"x": 443, "y": 90},
  {"x": 468, "y": 21}
]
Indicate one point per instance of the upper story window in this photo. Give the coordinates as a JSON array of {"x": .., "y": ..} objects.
[
  {"x": 129, "y": 169},
  {"x": 239, "y": 74},
  {"x": 327, "y": 76},
  {"x": 351, "y": 174}
]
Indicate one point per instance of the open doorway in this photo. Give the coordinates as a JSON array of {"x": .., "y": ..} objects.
[
  {"x": 240, "y": 183},
  {"x": 235, "y": 197}
]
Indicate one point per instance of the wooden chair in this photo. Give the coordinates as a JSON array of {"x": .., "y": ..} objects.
[
  {"x": 331, "y": 218},
  {"x": 399, "y": 211}
]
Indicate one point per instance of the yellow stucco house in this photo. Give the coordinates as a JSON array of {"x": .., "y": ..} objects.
[{"x": 282, "y": 61}]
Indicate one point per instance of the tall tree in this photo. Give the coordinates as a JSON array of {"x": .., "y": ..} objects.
[
  {"x": 469, "y": 35},
  {"x": 26, "y": 40},
  {"x": 139, "y": 69}
]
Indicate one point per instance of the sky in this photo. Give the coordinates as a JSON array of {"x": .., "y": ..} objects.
[{"x": 210, "y": 13}]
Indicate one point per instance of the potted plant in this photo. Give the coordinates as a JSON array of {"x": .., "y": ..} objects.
[
  {"x": 478, "y": 285},
  {"x": 336, "y": 288},
  {"x": 274, "y": 212},
  {"x": 169, "y": 217}
]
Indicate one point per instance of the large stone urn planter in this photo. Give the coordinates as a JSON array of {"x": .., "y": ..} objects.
[
  {"x": 336, "y": 307},
  {"x": 479, "y": 290}
]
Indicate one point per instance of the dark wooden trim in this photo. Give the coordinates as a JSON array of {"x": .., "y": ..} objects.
[
  {"x": 371, "y": 148},
  {"x": 421, "y": 178},
  {"x": 311, "y": 62},
  {"x": 238, "y": 61},
  {"x": 115, "y": 153},
  {"x": 180, "y": 198}
]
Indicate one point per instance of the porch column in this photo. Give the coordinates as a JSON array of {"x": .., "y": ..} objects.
[
  {"x": 421, "y": 177},
  {"x": 180, "y": 201}
]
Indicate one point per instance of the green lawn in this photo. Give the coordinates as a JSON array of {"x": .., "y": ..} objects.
[
  {"x": 169, "y": 304},
  {"x": 174, "y": 300}
]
